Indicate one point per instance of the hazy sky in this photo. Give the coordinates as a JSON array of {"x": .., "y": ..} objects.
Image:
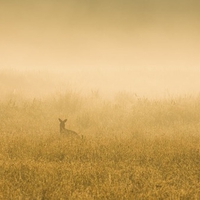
[{"x": 127, "y": 38}]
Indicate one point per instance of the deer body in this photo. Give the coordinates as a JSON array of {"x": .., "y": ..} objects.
[{"x": 65, "y": 131}]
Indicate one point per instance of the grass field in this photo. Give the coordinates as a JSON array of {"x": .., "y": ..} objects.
[{"x": 132, "y": 148}]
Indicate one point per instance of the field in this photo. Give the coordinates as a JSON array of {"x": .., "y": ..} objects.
[{"x": 132, "y": 147}]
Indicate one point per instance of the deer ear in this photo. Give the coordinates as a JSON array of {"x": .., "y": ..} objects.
[
  {"x": 59, "y": 120},
  {"x": 65, "y": 120}
]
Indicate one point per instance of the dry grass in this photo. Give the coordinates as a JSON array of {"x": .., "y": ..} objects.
[{"x": 132, "y": 148}]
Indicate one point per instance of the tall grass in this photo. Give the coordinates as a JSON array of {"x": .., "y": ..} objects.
[{"x": 133, "y": 148}]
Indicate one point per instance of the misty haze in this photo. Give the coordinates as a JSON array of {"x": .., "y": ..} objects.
[
  {"x": 100, "y": 99},
  {"x": 146, "y": 48}
]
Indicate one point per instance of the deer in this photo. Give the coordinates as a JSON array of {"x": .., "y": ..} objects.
[{"x": 65, "y": 131}]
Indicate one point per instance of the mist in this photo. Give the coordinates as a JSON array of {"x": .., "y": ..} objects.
[{"x": 148, "y": 48}]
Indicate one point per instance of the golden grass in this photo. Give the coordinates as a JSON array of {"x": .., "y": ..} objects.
[{"x": 133, "y": 148}]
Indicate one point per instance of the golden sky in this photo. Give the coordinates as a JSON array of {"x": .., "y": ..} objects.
[{"x": 153, "y": 35}]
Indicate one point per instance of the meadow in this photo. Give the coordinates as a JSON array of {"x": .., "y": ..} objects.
[{"x": 132, "y": 147}]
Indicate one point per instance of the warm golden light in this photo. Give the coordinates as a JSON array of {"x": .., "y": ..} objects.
[
  {"x": 131, "y": 45},
  {"x": 99, "y": 99}
]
